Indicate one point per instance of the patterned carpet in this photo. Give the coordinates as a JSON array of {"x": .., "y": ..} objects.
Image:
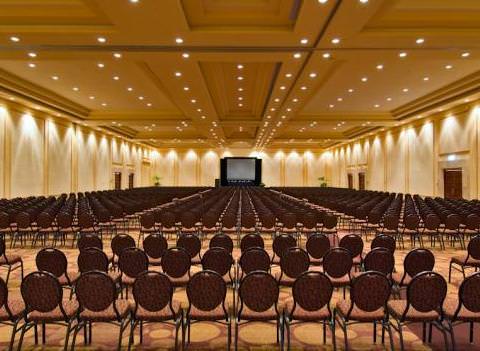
[{"x": 254, "y": 336}]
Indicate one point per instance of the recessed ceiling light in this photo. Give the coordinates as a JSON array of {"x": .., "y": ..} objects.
[
  {"x": 100, "y": 65},
  {"x": 288, "y": 75},
  {"x": 179, "y": 40},
  {"x": 376, "y": 105},
  {"x": 312, "y": 75},
  {"x": 304, "y": 41},
  {"x": 117, "y": 55},
  {"x": 350, "y": 90},
  {"x": 240, "y": 105},
  {"x": 203, "y": 117},
  {"x": 331, "y": 105},
  {"x": 289, "y": 109},
  {"x": 272, "y": 109},
  {"x": 405, "y": 90},
  {"x": 364, "y": 79},
  {"x": 116, "y": 77},
  {"x": 32, "y": 65},
  {"x": 426, "y": 79},
  {"x": 295, "y": 100},
  {"x": 380, "y": 67},
  {"x": 420, "y": 41},
  {"x": 178, "y": 74},
  {"x": 297, "y": 55},
  {"x": 402, "y": 54},
  {"x": 149, "y": 105},
  {"x": 15, "y": 39},
  {"x": 240, "y": 78},
  {"x": 240, "y": 66},
  {"x": 339, "y": 99},
  {"x": 448, "y": 67},
  {"x": 303, "y": 87},
  {"x": 335, "y": 41},
  {"x": 465, "y": 54},
  {"x": 186, "y": 55},
  {"x": 134, "y": 1},
  {"x": 75, "y": 89},
  {"x": 322, "y": 1},
  {"x": 363, "y": 1},
  {"x": 55, "y": 77},
  {"x": 283, "y": 87},
  {"x": 193, "y": 101},
  {"x": 104, "y": 104},
  {"x": 389, "y": 99},
  {"x": 240, "y": 98},
  {"x": 91, "y": 97},
  {"x": 141, "y": 98},
  {"x": 276, "y": 99},
  {"x": 32, "y": 54},
  {"x": 102, "y": 39},
  {"x": 130, "y": 89},
  {"x": 186, "y": 88},
  {"x": 326, "y": 55},
  {"x": 199, "y": 110},
  {"x": 240, "y": 89}
]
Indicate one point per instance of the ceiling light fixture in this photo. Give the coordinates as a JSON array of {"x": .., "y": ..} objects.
[
  {"x": 240, "y": 66},
  {"x": 178, "y": 74},
  {"x": 185, "y": 55},
  {"x": 130, "y": 89},
  {"x": 402, "y": 54},
  {"x": 420, "y": 41},
  {"x": 465, "y": 54},
  {"x": 326, "y": 55},
  {"x": 380, "y": 67},
  {"x": 102, "y": 40},
  {"x": 304, "y": 41},
  {"x": 117, "y": 55},
  {"x": 297, "y": 55},
  {"x": 75, "y": 89},
  {"x": 15, "y": 39},
  {"x": 335, "y": 41},
  {"x": 55, "y": 77},
  {"x": 350, "y": 90},
  {"x": 448, "y": 67},
  {"x": 186, "y": 88},
  {"x": 179, "y": 40},
  {"x": 32, "y": 65},
  {"x": 32, "y": 54},
  {"x": 312, "y": 75},
  {"x": 100, "y": 65},
  {"x": 364, "y": 79}
]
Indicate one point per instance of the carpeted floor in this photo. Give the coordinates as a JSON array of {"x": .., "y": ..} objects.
[{"x": 254, "y": 336}]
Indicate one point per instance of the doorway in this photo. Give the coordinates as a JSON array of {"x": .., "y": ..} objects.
[
  {"x": 118, "y": 180},
  {"x": 350, "y": 180},
  {"x": 361, "y": 181},
  {"x": 452, "y": 183},
  {"x": 131, "y": 177}
]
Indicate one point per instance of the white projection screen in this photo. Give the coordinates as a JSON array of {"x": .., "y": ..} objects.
[{"x": 240, "y": 169}]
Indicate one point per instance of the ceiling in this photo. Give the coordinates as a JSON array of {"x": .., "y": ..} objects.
[{"x": 240, "y": 73}]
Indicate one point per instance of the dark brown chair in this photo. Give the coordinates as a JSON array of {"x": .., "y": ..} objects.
[
  {"x": 154, "y": 303},
  {"x": 44, "y": 304},
  {"x": 310, "y": 303},
  {"x": 253, "y": 259},
  {"x": 11, "y": 311},
  {"x": 380, "y": 260},
  {"x": 410, "y": 227},
  {"x": 219, "y": 260},
  {"x": 293, "y": 263},
  {"x": 207, "y": 292},
  {"x": 147, "y": 225},
  {"x": 176, "y": 265},
  {"x": 11, "y": 262},
  {"x": 330, "y": 227},
  {"x": 155, "y": 246},
  {"x": 94, "y": 259},
  {"x": 354, "y": 244},
  {"x": 55, "y": 262},
  {"x": 317, "y": 246},
  {"x": 89, "y": 240},
  {"x": 119, "y": 243},
  {"x": 24, "y": 228},
  {"x": 337, "y": 265},
  {"x": 66, "y": 227},
  {"x": 209, "y": 223},
  {"x": 424, "y": 304},
  {"x": 385, "y": 241},
  {"x": 416, "y": 261},
  {"x": 132, "y": 262},
  {"x": 282, "y": 243},
  {"x": 258, "y": 294},
  {"x": 168, "y": 224},
  {"x": 369, "y": 294},
  {"x": 452, "y": 230},
  {"x": 470, "y": 260},
  {"x": 45, "y": 227},
  {"x": 223, "y": 241},
  {"x": 97, "y": 296},
  {"x": 431, "y": 228},
  {"x": 465, "y": 309},
  {"x": 251, "y": 240},
  {"x": 192, "y": 245},
  {"x": 472, "y": 225}
]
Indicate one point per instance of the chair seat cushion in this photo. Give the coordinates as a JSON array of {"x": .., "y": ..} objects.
[
  {"x": 218, "y": 313},
  {"x": 69, "y": 306},
  {"x": 10, "y": 259},
  {"x": 397, "y": 307},
  {"x": 460, "y": 260},
  {"x": 16, "y": 306},
  {"x": 301, "y": 314},
  {"x": 268, "y": 315},
  {"x": 450, "y": 307},
  {"x": 123, "y": 308},
  {"x": 284, "y": 279},
  {"x": 73, "y": 276},
  {"x": 154, "y": 261},
  {"x": 158, "y": 316},
  {"x": 397, "y": 278},
  {"x": 181, "y": 281},
  {"x": 357, "y": 314}
]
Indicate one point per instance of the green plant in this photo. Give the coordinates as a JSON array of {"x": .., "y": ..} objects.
[
  {"x": 323, "y": 182},
  {"x": 156, "y": 180}
]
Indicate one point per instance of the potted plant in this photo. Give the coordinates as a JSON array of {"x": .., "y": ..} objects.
[
  {"x": 323, "y": 182},
  {"x": 156, "y": 180}
]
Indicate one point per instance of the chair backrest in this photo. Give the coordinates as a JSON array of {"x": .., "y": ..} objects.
[
  {"x": 337, "y": 262},
  {"x": 223, "y": 241},
  {"x": 383, "y": 240},
  {"x": 251, "y": 240},
  {"x": 309, "y": 220},
  {"x": 452, "y": 222},
  {"x": 209, "y": 220},
  {"x": 187, "y": 219},
  {"x": 353, "y": 243},
  {"x": 418, "y": 260},
  {"x": 23, "y": 220},
  {"x": 248, "y": 220},
  {"x": 468, "y": 294},
  {"x": 41, "y": 292},
  {"x": 218, "y": 260},
  {"x": 64, "y": 220},
  {"x": 167, "y": 219},
  {"x": 53, "y": 261},
  {"x": 379, "y": 259},
  {"x": 155, "y": 245},
  {"x": 207, "y": 290},
  {"x": 390, "y": 222},
  {"x": 369, "y": 291},
  {"x": 96, "y": 291},
  {"x": 85, "y": 220},
  {"x": 330, "y": 221},
  {"x": 45, "y": 220},
  {"x": 426, "y": 292},
  {"x": 92, "y": 259},
  {"x": 89, "y": 240},
  {"x": 294, "y": 262},
  {"x": 4, "y": 220},
  {"x": 317, "y": 245},
  {"x": 411, "y": 221},
  {"x": 133, "y": 261},
  {"x": 121, "y": 242},
  {"x": 432, "y": 221},
  {"x": 176, "y": 262},
  {"x": 147, "y": 220},
  {"x": 152, "y": 291},
  {"x": 289, "y": 220},
  {"x": 191, "y": 243},
  {"x": 282, "y": 243},
  {"x": 254, "y": 259},
  {"x": 473, "y": 247},
  {"x": 472, "y": 221},
  {"x": 258, "y": 291},
  {"x": 312, "y": 290}
]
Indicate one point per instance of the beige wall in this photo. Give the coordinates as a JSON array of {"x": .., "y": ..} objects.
[
  {"x": 41, "y": 155},
  {"x": 411, "y": 158}
]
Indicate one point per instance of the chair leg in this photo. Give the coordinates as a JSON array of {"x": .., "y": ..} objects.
[
  {"x": 22, "y": 334},
  {"x": 390, "y": 335},
  {"x": 400, "y": 333},
  {"x": 374, "y": 332},
  {"x": 229, "y": 334},
  {"x": 131, "y": 337},
  {"x": 471, "y": 332},
  {"x": 334, "y": 339},
  {"x": 12, "y": 338},
  {"x": 67, "y": 336},
  {"x": 236, "y": 336},
  {"x": 450, "y": 272}
]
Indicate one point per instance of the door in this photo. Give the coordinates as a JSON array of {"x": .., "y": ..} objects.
[
  {"x": 361, "y": 181},
  {"x": 350, "y": 180},
  {"x": 118, "y": 180},
  {"x": 131, "y": 177},
  {"x": 452, "y": 183}
]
